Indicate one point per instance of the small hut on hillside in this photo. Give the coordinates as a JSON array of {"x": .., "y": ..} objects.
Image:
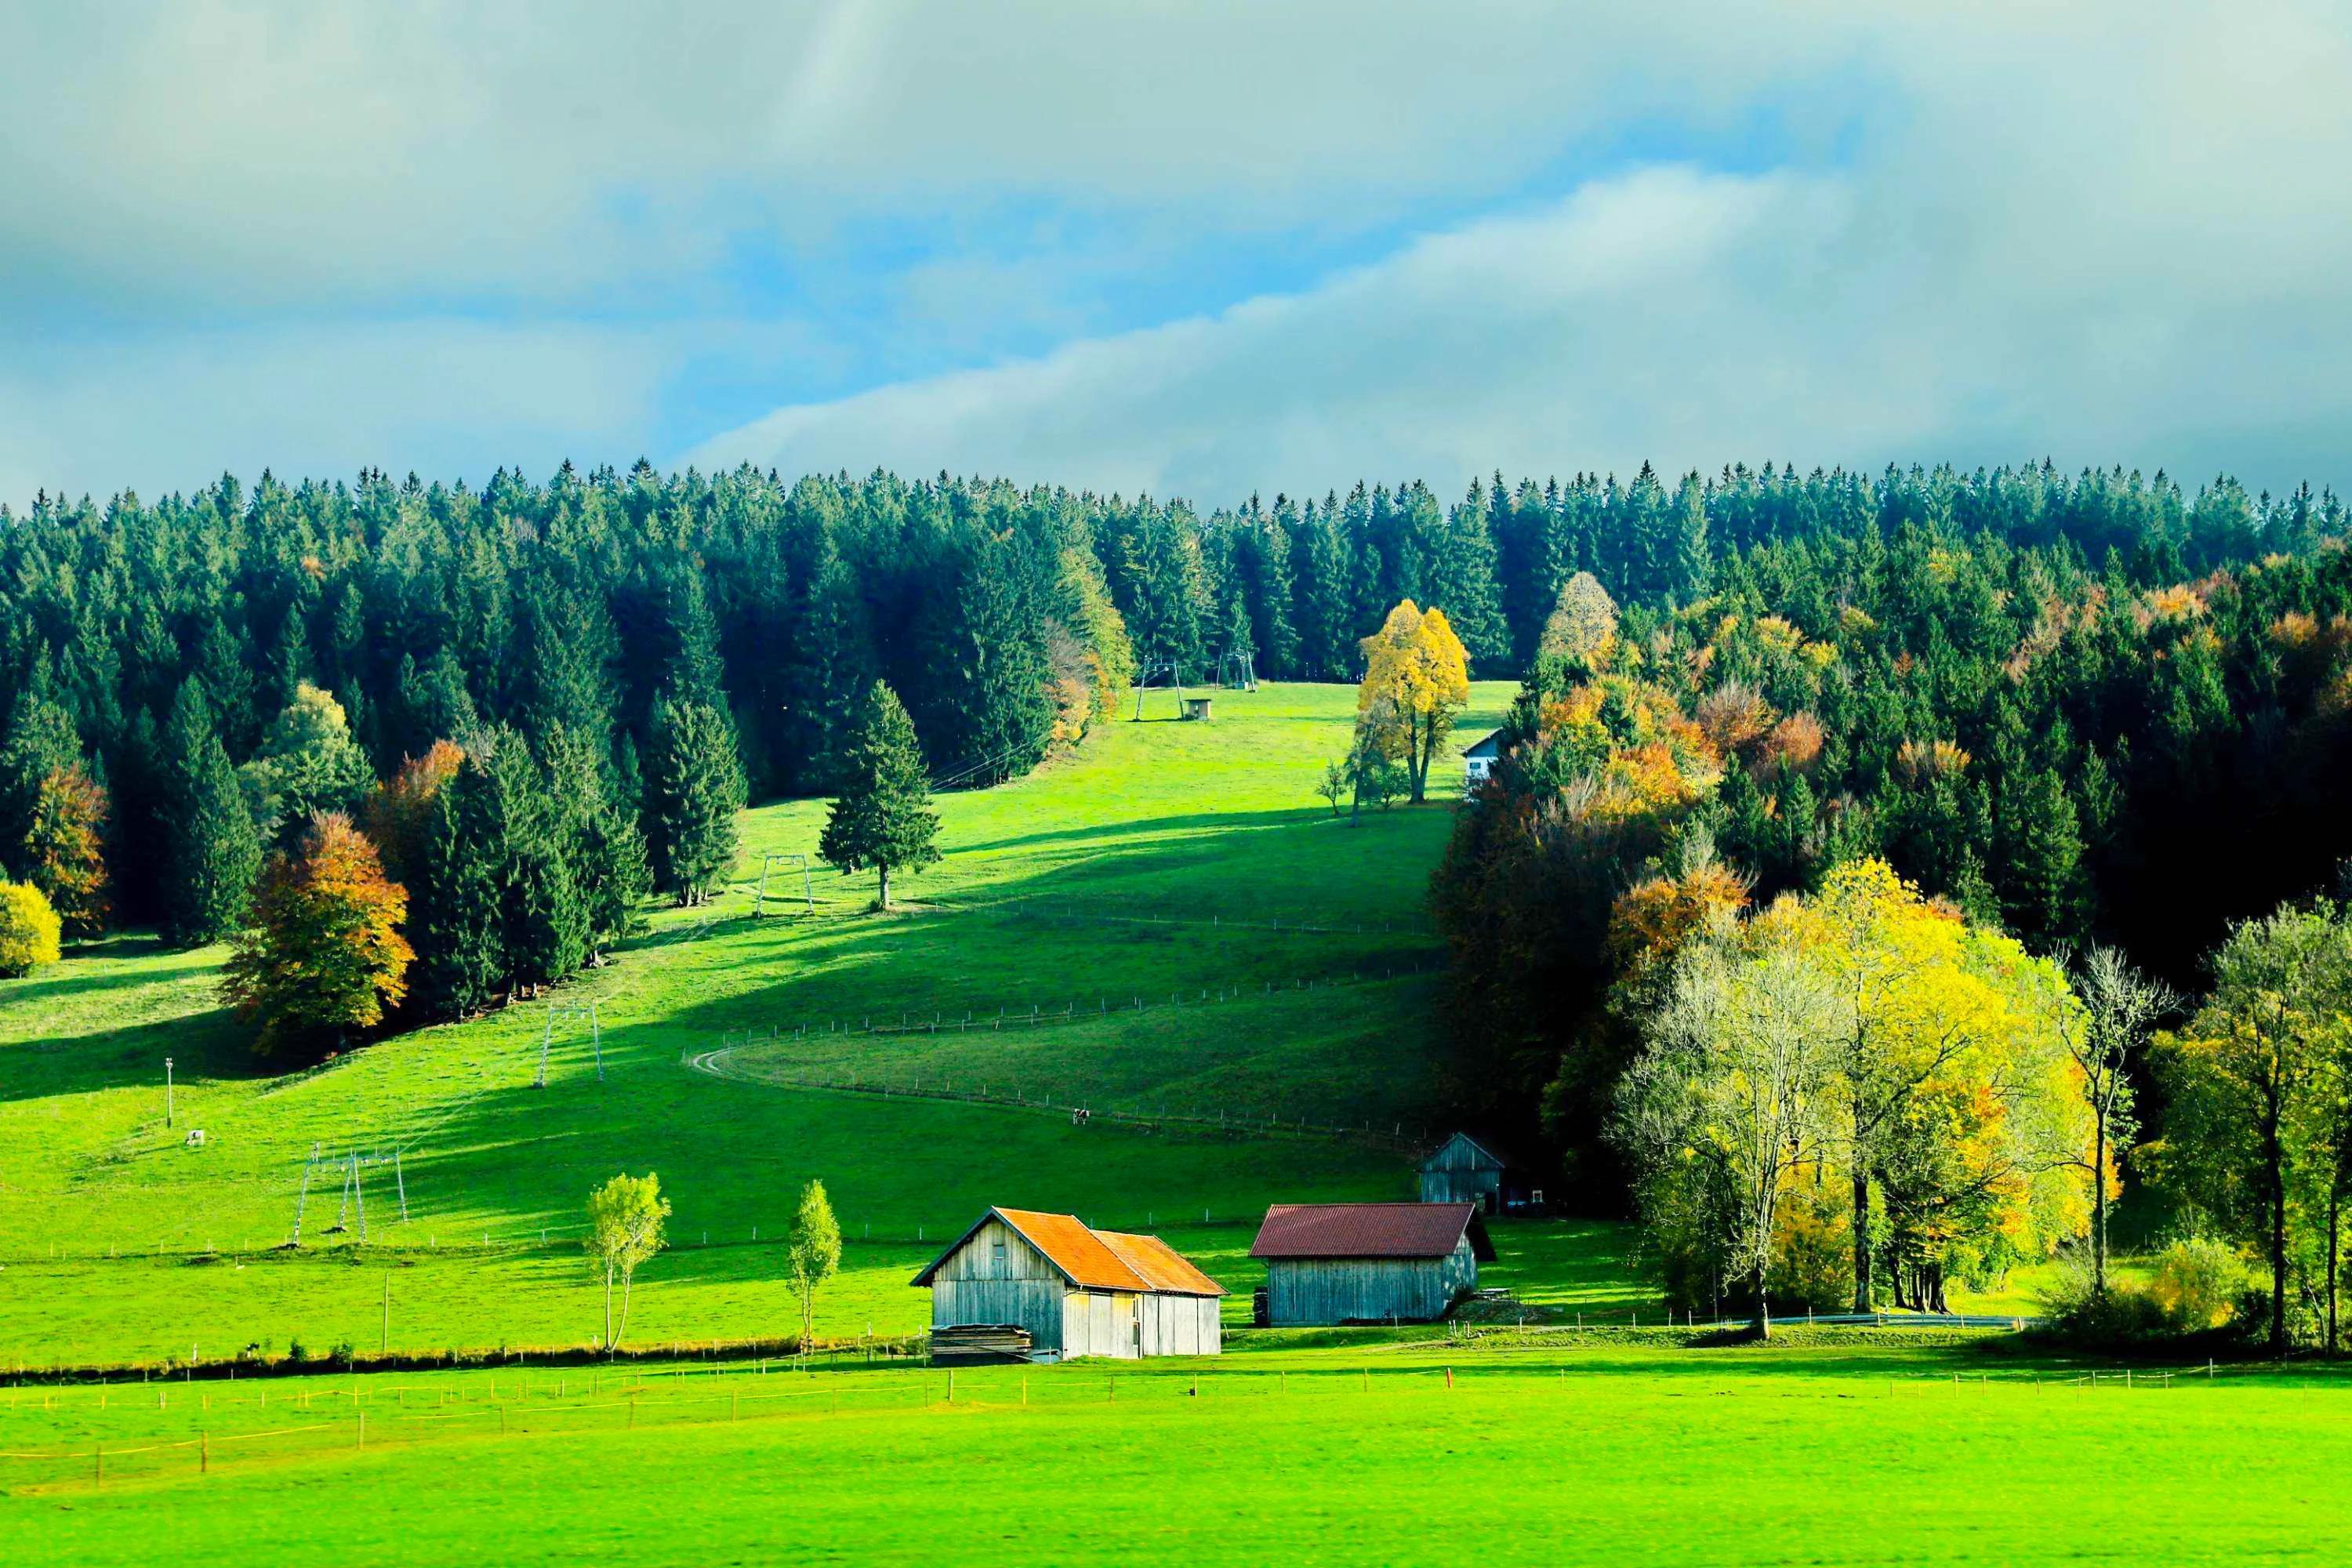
[
  {"x": 1470, "y": 1170},
  {"x": 1368, "y": 1263},
  {"x": 1070, "y": 1289},
  {"x": 1479, "y": 759}
]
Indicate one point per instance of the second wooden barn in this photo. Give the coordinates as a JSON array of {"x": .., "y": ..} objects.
[
  {"x": 1074, "y": 1290},
  {"x": 1368, "y": 1263}
]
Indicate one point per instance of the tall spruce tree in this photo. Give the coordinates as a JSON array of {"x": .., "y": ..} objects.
[
  {"x": 882, "y": 821},
  {"x": 547, "y": 915},
  {"x": 693, "y": 787},
  {"x": 1460, "y": 579},
  {"x": 458, "y": 909},
  {"x": 601, "y": 841},
  {"x": 214, "y": 853},
  {"x": 41, "y": 741}
]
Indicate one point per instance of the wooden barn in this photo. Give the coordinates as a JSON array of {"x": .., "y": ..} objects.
[
  {"x": 1368, "y": 1263},
  {"x": 1074, "y": 1292},
  {"x": 1467, "y": 1170}
]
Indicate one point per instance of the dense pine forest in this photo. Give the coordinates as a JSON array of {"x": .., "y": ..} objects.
[
  {"x": 422, "y": 748},
  {"x": 1959, "y": 608},
  {"x": 2059, "y": 698}
]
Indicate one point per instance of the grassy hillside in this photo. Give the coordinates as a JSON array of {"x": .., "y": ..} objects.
[{"x": 1154, "y": 889}]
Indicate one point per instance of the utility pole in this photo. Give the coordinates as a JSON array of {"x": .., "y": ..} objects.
[{"x": 167, "y": 1092}]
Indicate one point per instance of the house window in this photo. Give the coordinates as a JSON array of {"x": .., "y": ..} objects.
[{"x": 996, "y": 1253}]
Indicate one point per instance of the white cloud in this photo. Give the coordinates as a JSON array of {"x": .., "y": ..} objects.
[
  {"x": 2109, "y": 245},
  {"x": 2104, "y": 229}
]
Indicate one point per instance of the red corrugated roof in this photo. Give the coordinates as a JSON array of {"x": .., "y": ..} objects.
[
  {"x": 1092, "y": 1259},
  {"x": 1364, "y": 1230}
]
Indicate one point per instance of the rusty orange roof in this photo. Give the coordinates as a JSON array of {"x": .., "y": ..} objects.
[
  {"x": 1161, "y": 1267},
  {"x": 1093, "y": 1259}
]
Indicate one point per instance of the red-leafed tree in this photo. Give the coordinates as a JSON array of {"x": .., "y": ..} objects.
[
  {"x": 398, "y": 813},
  {"x": 324, "y": 954}
]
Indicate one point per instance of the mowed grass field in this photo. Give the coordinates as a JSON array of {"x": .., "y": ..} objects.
[
  {"x": 1152, "y": 887},
  {"x": 1426, "y": 1453}
]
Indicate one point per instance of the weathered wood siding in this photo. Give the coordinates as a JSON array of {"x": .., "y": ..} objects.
[
  {"x": 1461, "y": 1172},
  {"x": 1100, "y": 1322},
  {"x": 998, "y": 1277},
  {"x": 1304, "y": 1291},
  {"x": 1179, "y": 1325}
]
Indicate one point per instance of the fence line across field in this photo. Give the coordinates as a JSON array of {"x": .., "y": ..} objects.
[
  {"x": 1038, "y": 1014},
  {"x": 678, "y": 1397},
  {"x": 1244, "y": 1123}
]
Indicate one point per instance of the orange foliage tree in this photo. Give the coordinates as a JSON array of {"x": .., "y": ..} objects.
[
  {"x": 396, "y": 814},
  {"x": 63, "y": 848},
  {"x": 324, "y": 954}
]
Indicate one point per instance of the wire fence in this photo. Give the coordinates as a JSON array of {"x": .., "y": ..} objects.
[
  {"x": 666, "y": 1357},
  {"x": 114, "y": 1433},
  {"x": 1039, "y": 1014},
  {"x": 1234, "y": 1123}
]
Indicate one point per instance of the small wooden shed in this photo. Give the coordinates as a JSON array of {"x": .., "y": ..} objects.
[
  {"x": 1078, "y": 1291},
  {"x": 1470, "y": 1170},
  {"x": 1196, "y": 707},
  {"x": 1479, "y": 759},
  {"x": 1368, "y": 1263}
]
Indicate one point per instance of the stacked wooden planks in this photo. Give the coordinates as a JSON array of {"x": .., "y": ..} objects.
[{"x": 979, "y": 1345}]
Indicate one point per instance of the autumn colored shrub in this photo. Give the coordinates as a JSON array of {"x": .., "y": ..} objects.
[{"x": 28, "y": 929}]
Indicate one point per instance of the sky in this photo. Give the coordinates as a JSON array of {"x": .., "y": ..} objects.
[{"x": 1197, "y": 249}]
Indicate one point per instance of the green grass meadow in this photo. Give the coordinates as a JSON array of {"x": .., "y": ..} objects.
[
  {"x": 1407, "y": 1454},
  {"x": 1152, "y": 887},
  {"x": 1167, "y": 926}
]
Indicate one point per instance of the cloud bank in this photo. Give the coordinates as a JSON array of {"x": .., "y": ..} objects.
[{"x": 1206, "y": 248}]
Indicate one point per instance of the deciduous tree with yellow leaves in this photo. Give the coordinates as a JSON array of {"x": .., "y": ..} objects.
[
  {"x": 1416, "y": 683},
  {"x": 1937, "y": 1088}
]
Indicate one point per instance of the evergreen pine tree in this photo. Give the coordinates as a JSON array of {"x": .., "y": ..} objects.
[
  {"x": 1274, "y": 590},
  {"x": 214, "y": 853},
  {"x": 601, "y": 842},
  {"x": 1461, "y": 580},
  {"x": 458, "y": 908},
  {"x": 1326, "y": 617},
  {"x": 547, "y": 914},
  {"x": 41, "y": 741},
  {"x": 2042, "y": 867},
  {"x": 695, "y": 673},
  {"x": 693, "y": 787},
  {"x": 883, "y": 819},
  {"x": 1687, "y": 566}
]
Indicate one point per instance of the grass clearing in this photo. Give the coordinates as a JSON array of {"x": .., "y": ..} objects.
[
  {"x": 1066, "y": 887},
  {"x": 1601, "y": 1457}
]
